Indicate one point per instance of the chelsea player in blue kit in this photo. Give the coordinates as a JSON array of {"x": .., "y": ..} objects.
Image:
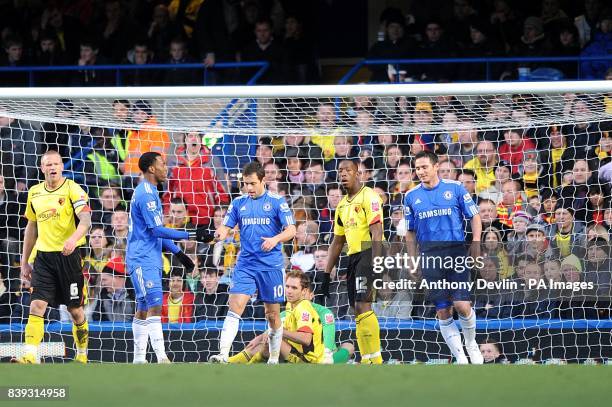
[
  {"x": 265, "y": 222},
  {"x": 434, "y": 212},
  {"x": 146, "y": 239}
]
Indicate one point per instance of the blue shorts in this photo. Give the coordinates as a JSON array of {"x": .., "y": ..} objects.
[
  {"x": 444, "y": 297},
  {"x": 147, "y": 282},
  {"x": 269, "y": 284}
]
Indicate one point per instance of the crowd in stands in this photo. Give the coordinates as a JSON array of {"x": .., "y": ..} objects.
[
  {"x": 543, "y": 193},
  {"x": 90, "y": 33}
]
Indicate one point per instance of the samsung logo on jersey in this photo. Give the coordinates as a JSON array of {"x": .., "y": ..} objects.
[
  {"x": 255, "y": 221},
  {"x": 435, "y": 212}
]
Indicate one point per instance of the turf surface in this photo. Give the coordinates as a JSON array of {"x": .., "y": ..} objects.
[{"x": 290, "y": 385}]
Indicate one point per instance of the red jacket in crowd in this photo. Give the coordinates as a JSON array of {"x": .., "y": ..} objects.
[
  {"x": 196, "y": 184},
  {"x": 186, "y": 313},
  {"x": 514, "y": 155}
]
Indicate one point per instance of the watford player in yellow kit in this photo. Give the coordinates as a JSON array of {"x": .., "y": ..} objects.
[
  {"x": 302, "y": 329},
  {"x": 358, "y": 222},
  {"x": 52, "y": 211}
]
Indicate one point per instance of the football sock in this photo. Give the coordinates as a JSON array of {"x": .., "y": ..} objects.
[
  {"x": 368, "y": 338},
  {"x": 468, "y": 327},
  {"x": 156, "y": 335},
  {"x": 140, "y": 332},
  {"x": 240, "y": 358},
  {"x": 228, "y": 334},
  {"x": 257, "y": 358},
  {"x": 452, "y": 337},
  {"x": 274, "y": 343},
  {"x": 80, "y": 333},
  {"x": 34, "y": 331}
]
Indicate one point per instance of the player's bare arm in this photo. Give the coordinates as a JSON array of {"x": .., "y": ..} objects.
[
  {"x": 81, "y": 230},
  {"x": 303, "y": 338},
  {"x": 334, "y": 252},
  {"x": 286, "y": 235},
  {"x": 476, "y": 236},
  {"x": 29, "y": 240}
]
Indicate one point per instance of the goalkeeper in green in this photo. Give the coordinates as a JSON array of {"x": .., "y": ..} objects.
[{"x": 333, "y": 353}]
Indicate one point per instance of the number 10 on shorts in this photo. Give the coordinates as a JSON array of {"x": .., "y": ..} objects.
[{"x": 278, "y": 291}]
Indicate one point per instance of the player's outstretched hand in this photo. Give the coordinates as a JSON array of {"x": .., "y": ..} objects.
[
  {"x": 186, "y": 262},
  {"x": 201, "y": 235},
  {"x": 269, "y": 243},
  {"x": 325, "y": 285}
]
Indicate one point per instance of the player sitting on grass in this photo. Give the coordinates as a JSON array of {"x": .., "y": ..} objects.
[
  {"x": 302, "y": 340},
  {"x": 333, "y": 353}
]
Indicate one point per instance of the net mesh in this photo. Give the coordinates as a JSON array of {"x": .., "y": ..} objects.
[{"x": 525, "y": 158}]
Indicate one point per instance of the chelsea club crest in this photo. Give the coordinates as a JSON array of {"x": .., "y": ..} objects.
[
  {"x": 267, "y": 207},
  {"x": 448, "y": 195}
]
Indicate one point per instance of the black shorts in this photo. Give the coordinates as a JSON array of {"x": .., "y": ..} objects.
[
  {"x": 359, "y": 277},
  {"x": 58, "y": 279}
]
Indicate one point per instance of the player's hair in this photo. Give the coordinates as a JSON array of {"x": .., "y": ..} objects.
[
  {"x": 300, "y": 275},
  {"x": 254, "y": 167},
  {"x": 147, "y": 160},
  {"x": 433, "y": 157},
  {"x": 50, "y": 153}
]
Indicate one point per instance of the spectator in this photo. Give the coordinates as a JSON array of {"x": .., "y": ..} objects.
[
  {"x": 300, "y": 57},
  {"x": 422, "y": 118},
  {"x": 11, "y": 204},
  {"x": 265, "y": 48},
  {"x": 14, "y": 57},
  {"x": 447, "y": 170},
  {"x": 505, "y": 22},
  {"x": 392, "y": 157},
  {"x": 566, "y": 44},
  {"x": 101, "y": 160},
  {"x": 571, "y": 268},
  {"x": 108, "y": 202},
  {"x": 306, "y": 149},
  {"x": 552, "y": 15},
  {"x": 468, "y": 180},
  {"x": 483, "y": 165},
  {"x": 295, "y": 175},
  {"x": 598, "y": 268},
  {"x": 139, "y": 55},
  {"x": 273, "y": 173},
  {"x": 603, "y": 151},
  {"x": 306, "y": 238},
  {"x": 5, "y": 301},
  {"x": 596, "y": 205},
  {"x": 511, "y": 202},
  {"x": 465, "y": 149},
  {"x": 532, "y": 175},
  {"x": 119, "y": 226},
  {"x": 394, "y": 45},
  {"x": 599, "y": 46},
  {"x": 343, "y": 150},
  {"x": 117, "y": 32},
  {"x": 193, "y": 180},
  {"x": 392, "y": 303},
  {"x": 49, "y": 53},
  {"x": 566, "y": 235},
  {"x": 177, "y": 216},
  {"x": 20, "y": 145},
  {"x": 326, "y": 215},
  {"x": 533, "y": 43},
  {"x": 517, "y": 236},
  {"x": 184, "y": 15},
  {"x": 514, "y": 148},
  {"x": 583, "y": 135},
  {"x": 494, "y": 247},
  {"x": 146, "y": 137},
  {"x": 557, "y": 158},
  {"x": 404, "y": 181},
  {"x": 179, "y": 55},
  {"x": 491, "y": 352},
  {"x": 586, "y": 23},
  {"x": 162, "y": 31},
  {"x": 482, "y": 44},
  {"x": 211, "y": 297},
  {"x": 116, "y": 302},
  {"x": 575, "y": 194},
  {"x": 178, "y": 303},
  {"x": 323, "y": 134},
  {"x": 65, "y": 28},
  {"x": 263, "y": 153},
  {"x": 436, "y": 45},
  {"x": 88, "y": 57}
]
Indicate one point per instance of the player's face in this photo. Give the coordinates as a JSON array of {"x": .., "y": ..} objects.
[
  {"x": 160, "y": 169},
  {"x": 51, "y": 166},
  {"x": 347, "y": 172},
  {"x": 426, "y": 170},
  {"x": 293, "y": 290},
  {"x": 253, "y": 185}
]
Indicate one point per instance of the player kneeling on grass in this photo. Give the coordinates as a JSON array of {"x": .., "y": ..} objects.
[
  {"x": 333, "y": 353},
  {"x": 302, "y": 340}
]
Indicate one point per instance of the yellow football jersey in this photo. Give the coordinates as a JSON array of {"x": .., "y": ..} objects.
[
  {"x": 304, "y": 318},
  {"x": 55, "y": 213},
  {"x": 354, "y": 216}
]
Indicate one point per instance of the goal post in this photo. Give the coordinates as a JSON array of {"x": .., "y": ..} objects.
[{"x": 530, "y": 153}]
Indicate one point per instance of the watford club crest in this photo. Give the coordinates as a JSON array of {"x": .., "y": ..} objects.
[{"x": 61, "y": 201}]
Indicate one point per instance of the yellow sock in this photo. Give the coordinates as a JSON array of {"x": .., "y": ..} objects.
[
  {"x": 34, "y": 332},
  {"x": 80, "y": 333},
  {"x": 368, "y": 338},
  {"x": 240, "y": 358},
  {"x": 256, "y": 358}
]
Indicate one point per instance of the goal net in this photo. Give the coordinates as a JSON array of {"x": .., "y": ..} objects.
[{"x": 534, "y": 156}]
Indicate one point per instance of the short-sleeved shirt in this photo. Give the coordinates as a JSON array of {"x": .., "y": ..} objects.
[
  {"x": 264, "y": 216},
  {"x": 437, "y": 214},
  {"x": 54, "y": 212},
  {"x": 144, "y": 249},
  {"x": 354, "y": 216},
  {"x": 328, "y": 323},
  {"x": 304, "y": 318}
]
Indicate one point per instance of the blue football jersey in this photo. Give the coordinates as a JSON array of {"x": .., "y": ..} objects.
[
  {"x": 265, "y": 216},
  {"x": 143, "y": 249},
  {"x": 437, "y": 214}
]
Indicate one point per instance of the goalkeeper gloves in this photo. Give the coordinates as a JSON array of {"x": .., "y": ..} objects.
[
  {"x": 325, "y": 285},
  {"x": 201, "y": 235},
  {"x": 186, "y": 262}
]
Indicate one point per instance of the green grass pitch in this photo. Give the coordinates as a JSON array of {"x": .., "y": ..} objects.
[{"x": 114, "y": 385}]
